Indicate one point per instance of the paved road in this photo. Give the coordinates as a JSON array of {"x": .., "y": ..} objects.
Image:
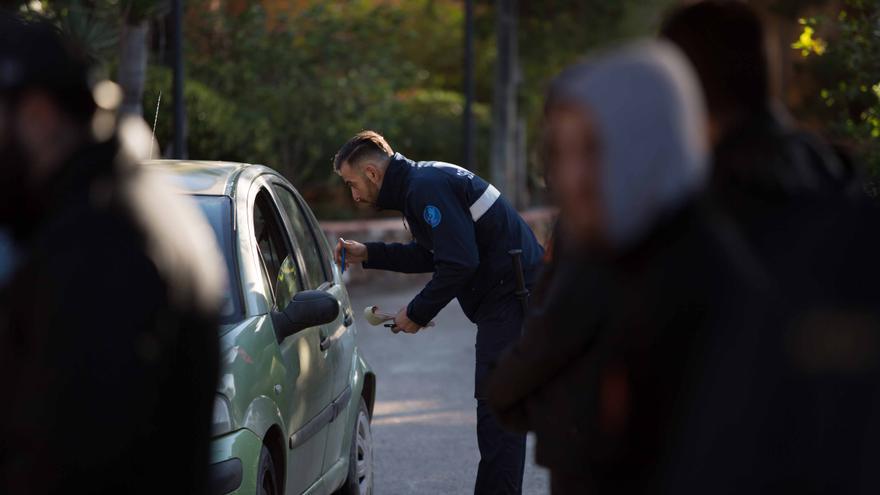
[{"x": 424, "y": 424}]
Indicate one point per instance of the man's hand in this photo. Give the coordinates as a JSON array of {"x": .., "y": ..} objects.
[
  {"x": 403, "y": 323},
  {"x": 355, "y": 252}
]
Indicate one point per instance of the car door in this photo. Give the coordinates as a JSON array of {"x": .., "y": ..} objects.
[
  {"x": 304, "y": 398},
  {"x": 319, "y": 271}
]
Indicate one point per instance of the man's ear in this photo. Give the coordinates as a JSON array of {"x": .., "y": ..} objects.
[{"x": 372, "y": 172}]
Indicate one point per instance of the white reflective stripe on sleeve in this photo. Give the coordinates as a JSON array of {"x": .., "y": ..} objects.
[{"x": 484, "y": 202}]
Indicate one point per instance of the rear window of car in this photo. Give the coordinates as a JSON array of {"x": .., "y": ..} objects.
[{"x": 218, "y": 212}]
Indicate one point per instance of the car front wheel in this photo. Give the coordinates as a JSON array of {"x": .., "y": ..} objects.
[
  {"x": 360, "y": 462},
  {"x": 267, "y": 479}
]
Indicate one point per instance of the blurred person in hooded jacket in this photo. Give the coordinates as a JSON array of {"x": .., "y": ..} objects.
[
  {"x": 644, "y": 268},
  {"x": 800, "y": 416},
  {"x": 108, "y": 319}
]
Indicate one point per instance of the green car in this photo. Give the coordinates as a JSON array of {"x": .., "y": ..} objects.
[{"x": 295, "y": 396}]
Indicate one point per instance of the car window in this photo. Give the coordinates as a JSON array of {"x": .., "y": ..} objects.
[
  {"x": 316, "y": 273},
  {"x": 218, "y": 212},
  {"x": 324, "y": 248},
  {"x": 279, "y": 264}
]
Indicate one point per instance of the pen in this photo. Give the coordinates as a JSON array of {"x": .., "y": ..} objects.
[{"x": 341, "y": 240}]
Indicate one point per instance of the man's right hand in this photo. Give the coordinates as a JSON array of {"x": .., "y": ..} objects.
[{"x": 355, "y": 252}]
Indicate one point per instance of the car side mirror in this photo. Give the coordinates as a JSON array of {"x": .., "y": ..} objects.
[{"x": 308, "y": 308}]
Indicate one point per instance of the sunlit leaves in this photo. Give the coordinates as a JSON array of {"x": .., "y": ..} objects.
[
  {"x": 849, "y": 72},
  {"x": 807, "y": 42}
]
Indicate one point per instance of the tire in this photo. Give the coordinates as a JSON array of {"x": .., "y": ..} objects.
[
  {"x": 360, "y": 458},
  {"x": 267, "y": 478}
]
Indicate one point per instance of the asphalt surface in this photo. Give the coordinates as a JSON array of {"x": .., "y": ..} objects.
[{"x": 424, "y": 422}]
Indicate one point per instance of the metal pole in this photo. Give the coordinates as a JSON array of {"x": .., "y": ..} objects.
[
  {"x": 468, "y": 149},
  {"x": 179, "y": 150}
]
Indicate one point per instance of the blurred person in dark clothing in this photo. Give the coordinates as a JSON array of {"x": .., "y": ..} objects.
[
  {"x": 760, "y": 158},
  {"x": 108, "y": 343},
  {"x": 786, "y": 405},
  {"x": 644, "y": 268}
]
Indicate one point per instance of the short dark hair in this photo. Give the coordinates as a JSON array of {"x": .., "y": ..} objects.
[
  {"x": 34, "y": 54},
  {"x": 724, "y": 41},
  {"x": 362, "y": 145}
]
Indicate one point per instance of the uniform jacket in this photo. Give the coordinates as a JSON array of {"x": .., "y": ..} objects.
[{"x": 462, "y": 228}]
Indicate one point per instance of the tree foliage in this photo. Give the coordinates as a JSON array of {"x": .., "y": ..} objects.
[
  {"x": 556, "y": 33},
  {"x": 311, "y": 77},
  {"x": 215, "y": 127},
  {"x": 94, "y": 24},
  {"x": 285, "y": 83},
  {"x": 846, "y": 68}
]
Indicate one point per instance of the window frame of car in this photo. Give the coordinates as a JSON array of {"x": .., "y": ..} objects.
[
  {"x": 270, "y": 285},
  {"x": 325, "y": 248},
  {"x": 326, "y": 277},
  {"x": 231, "y": 256}
]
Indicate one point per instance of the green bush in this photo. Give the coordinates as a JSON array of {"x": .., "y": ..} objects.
[
  {"x": 329, "y": 70},
  {"x": 217, "y": 129},
  {"x": 428, "y": 125},
  {"x": 421, "y": 124}
]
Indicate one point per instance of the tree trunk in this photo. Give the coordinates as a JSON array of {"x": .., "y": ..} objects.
[
  {"x": 504, "y": 100},
  {"x": 469, "y": 159},
  {"x": 133, "y": 66},
  {"x": 520, "y": 174},
  {"x": 180, "y": 129}
]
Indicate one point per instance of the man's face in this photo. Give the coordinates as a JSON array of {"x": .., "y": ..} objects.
[
  {"x": 574, "y": 172},
  {"x": 363, "y": 181},
  {"x": 36, "y": 138}
]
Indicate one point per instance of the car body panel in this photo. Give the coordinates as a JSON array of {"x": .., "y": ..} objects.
[
  {"x": 340, "y": 358},
  {"x": 307, "y": 375},
  {"x": 198, "y": 177},
  {"x": 242, "y": 444},
  {"x": 337, "y": 470},
  {"x": 250, "y": 367},
  {"x": 257, "y": 294},
  {"x": 339, "y": 333}
]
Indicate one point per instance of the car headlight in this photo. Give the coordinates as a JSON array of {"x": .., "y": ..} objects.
[{"x": 222, "y": 419}]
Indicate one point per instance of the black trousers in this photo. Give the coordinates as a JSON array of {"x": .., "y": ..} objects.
[{"x": 502, "y": 454}]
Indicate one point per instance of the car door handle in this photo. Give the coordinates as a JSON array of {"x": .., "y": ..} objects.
[
  {"x": 348, "y": 321},
  {"x": 325, "y": 344}
]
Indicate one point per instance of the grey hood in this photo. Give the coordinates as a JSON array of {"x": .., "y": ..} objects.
[{"x": 648, "y": 107}]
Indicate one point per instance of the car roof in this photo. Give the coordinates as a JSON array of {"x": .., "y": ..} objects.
[{"x": 198, "y": 177}]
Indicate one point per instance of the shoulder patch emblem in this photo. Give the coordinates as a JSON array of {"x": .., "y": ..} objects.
[{"x": 432, "y": 215}]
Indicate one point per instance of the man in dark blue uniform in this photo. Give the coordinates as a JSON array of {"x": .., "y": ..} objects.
[{"x": 463, "y": 230}]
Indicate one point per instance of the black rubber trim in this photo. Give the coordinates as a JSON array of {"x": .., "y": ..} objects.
[
  {"x": 225, "y": 476},
  {"x": 311, "y": 428},
  {"x": 340, "y": 402},
  {"x": 325, "y": 417}
]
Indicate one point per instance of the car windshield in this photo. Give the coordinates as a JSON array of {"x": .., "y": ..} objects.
[{"x": 218, "y": 211}]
